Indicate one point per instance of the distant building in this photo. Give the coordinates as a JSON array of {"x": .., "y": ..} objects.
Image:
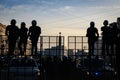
[
  {"x": 55, "y": 51},
  {"x": 76, "y": 53},
  {"x": 2, "y": 32},
  {"x": 3, "y": 39},
  {"x": 2, "y": 29}
]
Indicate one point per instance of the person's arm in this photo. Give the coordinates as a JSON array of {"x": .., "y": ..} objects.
[
  {"x": 87, "y": 33},
  {"x": 102, "y": 28},
  {"x": 39, "y": 31},
  {"x": 97, "y": 33},
  {"x": 29, "y": 32}
]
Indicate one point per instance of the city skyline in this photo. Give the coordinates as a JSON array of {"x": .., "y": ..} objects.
[{"x": 70, "y": 17}]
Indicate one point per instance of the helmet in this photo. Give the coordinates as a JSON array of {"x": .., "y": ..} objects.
[{"x": 13, "y": 21}]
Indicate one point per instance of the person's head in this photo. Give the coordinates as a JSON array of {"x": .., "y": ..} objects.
[
  {"x": 118, "y": 20},
  {"x": 34, "y": 22},
  {"x": 92, "y": 24},
  {"x": 23, "y": 24},
  {"x": 115, "y": 25},
  {"x": 13, "y": 22},
  {"x": 105, "y": 23}
]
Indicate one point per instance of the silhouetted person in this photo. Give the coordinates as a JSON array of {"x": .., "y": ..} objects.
[
  {"x": 23, "y": 38},
  {"x": 118, "y": 39},
  {"x": 113, "y": 37},
  {"x": 118, "y": 47},
  {"x": 92, "y": 34},
  {"x": 113, "y": 41},
  {"x": 105, "y": 37},
  {"x": 34, "y": 33},
  {"x": 12, "y": 33}
]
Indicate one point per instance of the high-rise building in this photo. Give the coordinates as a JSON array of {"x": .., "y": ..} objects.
[{"x": 3, "y": 39}]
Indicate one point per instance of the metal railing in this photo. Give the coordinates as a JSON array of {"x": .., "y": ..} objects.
[
  {"x": 54, "y": 46},
  {"x": 76, "y": 47}
]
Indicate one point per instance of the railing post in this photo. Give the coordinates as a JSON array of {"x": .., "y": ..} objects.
[{"x": 60, "y": 55}]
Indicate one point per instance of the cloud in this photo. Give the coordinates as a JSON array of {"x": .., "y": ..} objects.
[
  {"x": 47, "y": 2},
  {"x": 1, "y": 6},
  {"x": 68, "y": 7},
  {"x": 58, "y": 16},
  {"x": 19, "y": 12},
  {"x": 40, "y": 2},
  {"x": 63, "y": 8},
  {"x": 106, "y": 7}
]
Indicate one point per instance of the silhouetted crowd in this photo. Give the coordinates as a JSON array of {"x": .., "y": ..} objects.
[
  {"x": 14, "y": 33},
  {"x": 57, "y": 69},
  {"x": 65, "y": 68},
  {"x": 110, "y": 39}
]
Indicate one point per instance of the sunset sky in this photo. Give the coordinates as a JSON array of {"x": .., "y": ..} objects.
[{"x": 70, "y": 17}]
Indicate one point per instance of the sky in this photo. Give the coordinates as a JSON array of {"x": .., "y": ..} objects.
[{"x": 70, "y": 17}]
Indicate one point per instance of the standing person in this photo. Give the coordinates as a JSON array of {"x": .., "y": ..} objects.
[
  {"x": 113, "y": 41},
  {"x": 92, "y": 34},
  {"x": 118, "y": 37},
  {"x": 12, "y": 34},
  {"x": 113, "y": 37},
  {"x": 105, "y": 38},
  {"x": 23, "y": 38},
  {"x": 34, "y": 33},
  {"x": 118, "y": 48}
]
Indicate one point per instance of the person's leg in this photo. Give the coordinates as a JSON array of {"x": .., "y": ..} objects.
[
  {"x": 103, "y": 48},
  {"x": 19, "y": 46},
  {"x": 112, "y": 48},
  {"x": 25, "y": 45},
  {"x": 107, "y": 48},
  {"x": 92, "y": 50},
  {"x": 89, "y": 48},
  {"x": 36, "y": 47},
  {"x": 11, "y": 47},
  {"x": 32, "y": 50}
]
